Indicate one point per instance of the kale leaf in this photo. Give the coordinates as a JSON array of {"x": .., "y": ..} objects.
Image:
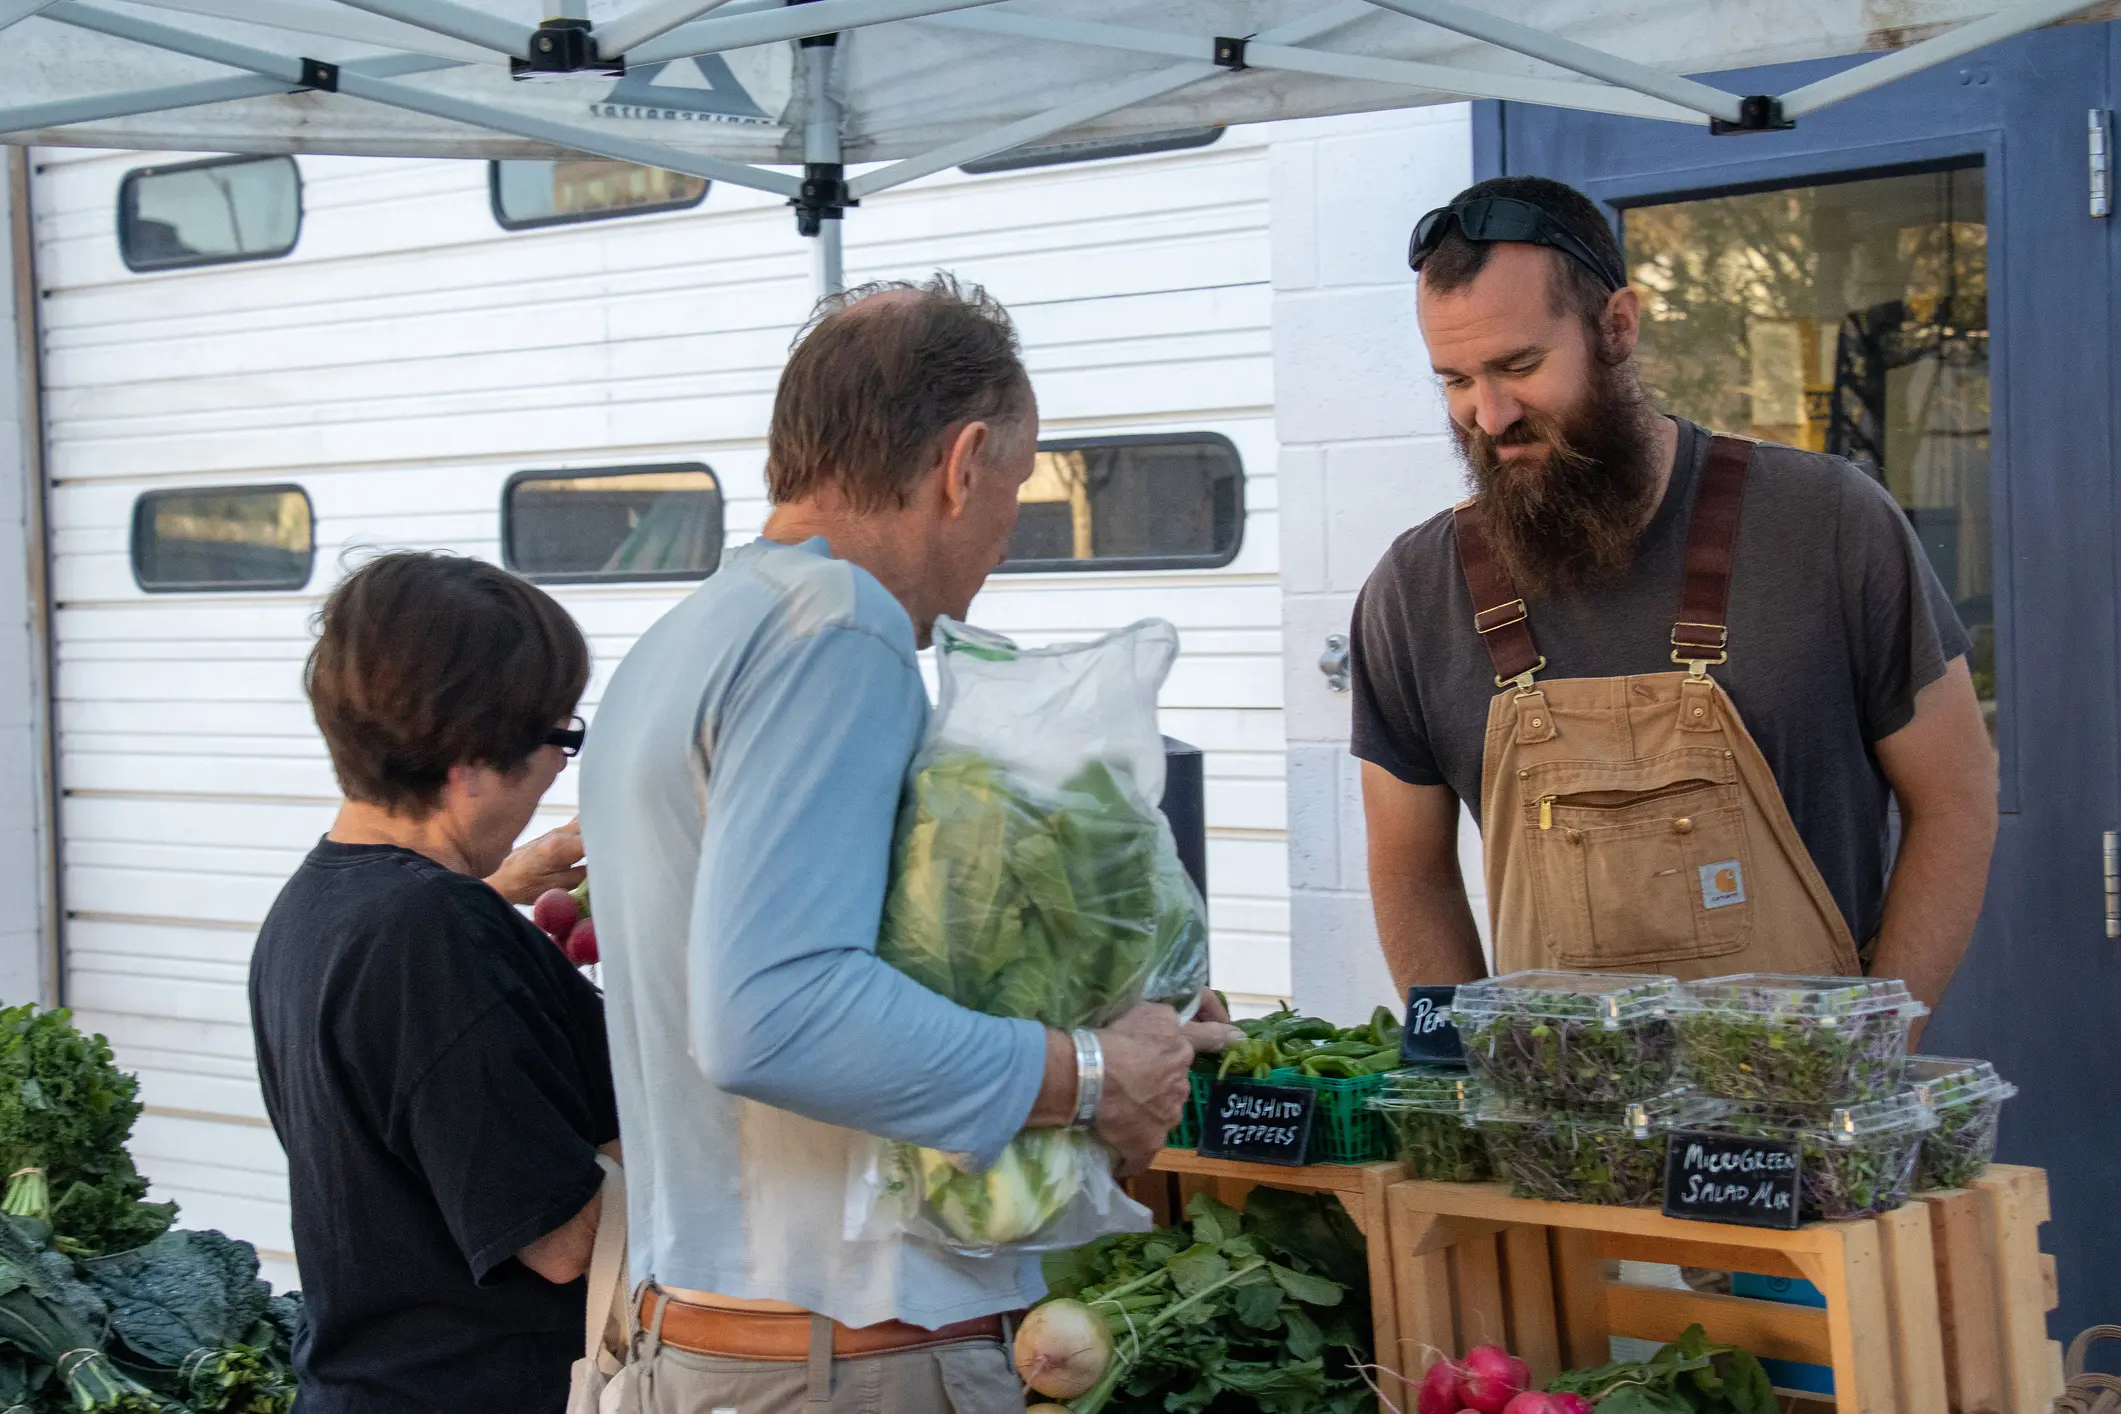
[{"x": 66, "y": 1112}]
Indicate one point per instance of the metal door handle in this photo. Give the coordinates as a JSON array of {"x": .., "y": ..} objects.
[{"x": 2113, "y": 883}]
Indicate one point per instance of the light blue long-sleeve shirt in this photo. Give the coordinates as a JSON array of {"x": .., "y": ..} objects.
[{"x": 739, "y": 789}]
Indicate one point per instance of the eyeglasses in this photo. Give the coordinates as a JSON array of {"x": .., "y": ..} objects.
[
  {"x": 568, "y": 738},
  {"x": 1506, "y": 218}
]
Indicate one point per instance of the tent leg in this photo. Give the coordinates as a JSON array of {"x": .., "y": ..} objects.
[
  {"x": 819, "y": 208},
  {"x": 828, "y": 270}
]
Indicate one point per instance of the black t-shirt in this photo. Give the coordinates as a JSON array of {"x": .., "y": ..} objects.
[
  {"x": 440, "y": 1079},
  {"x": 1836, "y": 621}
]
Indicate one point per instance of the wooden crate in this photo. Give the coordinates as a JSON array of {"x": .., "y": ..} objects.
[
  {"x": 1472, "y": 1265},
  {"x": 1994, "y": 1289},
  {"x": 1178, "y": 1174}
]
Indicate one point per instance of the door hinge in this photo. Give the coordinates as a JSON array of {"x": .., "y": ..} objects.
[
  {"x": 2113, "y": 883},
  {"x": 2099, "y": 142}
]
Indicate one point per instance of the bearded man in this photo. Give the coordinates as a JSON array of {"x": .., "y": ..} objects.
[{"x": 1679, "y": 678}]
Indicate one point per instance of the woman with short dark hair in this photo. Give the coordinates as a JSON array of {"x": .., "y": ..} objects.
[{"x": 435, "y": 1069}]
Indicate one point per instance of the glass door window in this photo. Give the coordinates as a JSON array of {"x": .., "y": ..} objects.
[{"x": 1849, "y": 318}]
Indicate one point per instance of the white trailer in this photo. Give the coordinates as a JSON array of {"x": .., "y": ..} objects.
[{"x": 383, "y": 367}]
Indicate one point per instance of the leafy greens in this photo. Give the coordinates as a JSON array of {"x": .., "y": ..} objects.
[
  {"x": 1266, "y": 1310},
  {"x": 66, "y": 1111}
]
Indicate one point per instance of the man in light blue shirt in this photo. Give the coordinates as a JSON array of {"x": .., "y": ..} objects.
[{"x": 738, "y": 799}]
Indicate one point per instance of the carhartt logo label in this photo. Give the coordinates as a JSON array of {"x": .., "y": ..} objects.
[{"x": 1722, "y": 884}]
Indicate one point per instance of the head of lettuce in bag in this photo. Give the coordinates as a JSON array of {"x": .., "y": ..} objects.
[{"x": 1034, "y": 876}]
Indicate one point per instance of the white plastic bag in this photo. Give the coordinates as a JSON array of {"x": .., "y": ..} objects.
[{"x": 1034, "y": 876}]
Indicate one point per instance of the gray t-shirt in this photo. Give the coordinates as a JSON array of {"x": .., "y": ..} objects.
[{"x": 1836, "y": 621}]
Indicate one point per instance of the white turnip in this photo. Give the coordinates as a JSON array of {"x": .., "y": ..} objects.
[{"x": 1062, "y": 1348}]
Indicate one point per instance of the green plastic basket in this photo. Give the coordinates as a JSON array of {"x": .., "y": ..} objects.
[
  {"x": 1344, "y": 1129},
  {"x": 1187, "y": 1135}
]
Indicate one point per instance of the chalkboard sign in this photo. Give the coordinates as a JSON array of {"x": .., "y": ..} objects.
[
  {"x": 1250, "y": 1119},
  {"x": 1430, "y": 1037},
  {"x": 1727, "y": 1178}
]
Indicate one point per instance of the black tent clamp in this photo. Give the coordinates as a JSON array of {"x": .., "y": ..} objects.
[
  {"x": 560, "y": 47},
  {"x": 1757, "y": 113}
]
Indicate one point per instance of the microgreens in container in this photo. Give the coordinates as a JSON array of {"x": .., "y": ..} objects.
[
  {"x": 1429, "y": 1110},
  {"x": 1569, "y": 1040},
  {"x": 1855, "y": 1161},
  {"x": 1967, "y": 1098},
  {"x": 1794, "y": 1040},
  {"x": 1613, "y": 1156}
]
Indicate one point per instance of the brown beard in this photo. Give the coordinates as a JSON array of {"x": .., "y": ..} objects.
[{"x": 1568, "y": 519}]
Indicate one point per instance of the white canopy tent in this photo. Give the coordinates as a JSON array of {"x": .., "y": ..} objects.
[{"x": 780, "y": 96}]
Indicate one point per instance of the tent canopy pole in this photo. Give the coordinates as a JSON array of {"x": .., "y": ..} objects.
[
  {"x": 14, "y": 10},
  {"x": 1937, "y": 49},
  {"x": 787, "y": 22},
  {"x": 353, "y": 81},
  {"x": 445, "y": 17},
  {"x": 189, "y": 95},
  {"x": 822, "y": 202},
  {"x": 1264, "y": 52},
  {"x": 1031, "y": 129},
  {"x": 1567, "y": 54},
  {"x": 1068, "y": 115},
  {"x": 651, "y": 20}
]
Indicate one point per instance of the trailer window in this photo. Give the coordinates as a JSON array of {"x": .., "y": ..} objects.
[
  {"x": 223, "y": 538},
  {"x": 539, "y": 193},
  {"x": 1055, "y": 154},
  {"x": 209, "y": 213},
  {"x": 1155, "y": 502},
  {"x": 613, "y": 523}
]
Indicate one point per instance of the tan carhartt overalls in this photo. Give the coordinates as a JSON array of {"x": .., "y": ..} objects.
[{"x": 1631, "y": 824}]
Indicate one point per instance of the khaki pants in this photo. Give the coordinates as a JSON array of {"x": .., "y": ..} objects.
[{"x": 969, "y": 1377}]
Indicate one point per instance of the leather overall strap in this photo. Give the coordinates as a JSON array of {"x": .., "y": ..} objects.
[
  {"x": 1498, "y": 609},
  {"x": 1701, "y": 633}
]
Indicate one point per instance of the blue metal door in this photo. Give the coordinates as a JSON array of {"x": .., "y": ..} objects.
[{"x": 1915, "y": 279}]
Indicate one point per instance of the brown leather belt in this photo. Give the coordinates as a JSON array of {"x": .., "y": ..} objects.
[{"x": 785, "y": 1335}]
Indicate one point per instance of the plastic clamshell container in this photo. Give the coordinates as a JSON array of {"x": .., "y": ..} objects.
[
  {"x": 1570, "y": 1040},
  {"x": 1815, "y": 1042},
  {"x": 1429, "y": 1109},
  {"x": 1614, "y": 1156},
  {"x": 1967, "y": 1097},
  {"x": 1855, "y": 1161}
]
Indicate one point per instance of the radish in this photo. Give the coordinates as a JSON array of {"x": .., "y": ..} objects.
[
  {"x": 556, "y": 912},
  {"x": 1534, "y": 1403},
  {"x": 1439, "y": 1392},
  {"x": 1490, "y": 1377},
  {"x": 581, "y": 944},
  {"x": 1062, "y": 1348}
]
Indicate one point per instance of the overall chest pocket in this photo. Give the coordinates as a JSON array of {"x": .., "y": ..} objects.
[{"x": 1636, "y": 862}]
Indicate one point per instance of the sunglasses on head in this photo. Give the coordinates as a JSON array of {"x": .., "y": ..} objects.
[{"x": 1505, "y": 218}]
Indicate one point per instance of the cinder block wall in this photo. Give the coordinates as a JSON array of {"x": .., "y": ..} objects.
[{"x": 1365, "y": 455}]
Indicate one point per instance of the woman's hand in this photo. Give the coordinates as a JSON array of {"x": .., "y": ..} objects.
[{"x": 551, "y": 861}]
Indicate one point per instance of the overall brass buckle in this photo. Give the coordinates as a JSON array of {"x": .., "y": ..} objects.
[
  {"x": 1523, "y": 681},
  {"x": 1690, "y": 653}
]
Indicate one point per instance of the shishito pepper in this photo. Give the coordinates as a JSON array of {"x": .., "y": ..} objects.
[{"x": 1317, "y": 1047}]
